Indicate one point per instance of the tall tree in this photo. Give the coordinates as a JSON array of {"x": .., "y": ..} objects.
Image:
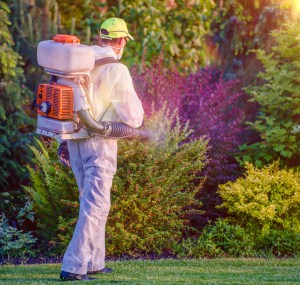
[
  {"x": 16, "y": 126},
  {"x": 278, "y": 98},
  {"x": 239, "y": 26}
]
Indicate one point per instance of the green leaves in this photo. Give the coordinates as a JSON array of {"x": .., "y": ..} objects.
[
  {"x": 14, "y": 242},
  {"x": 51, "y": 184},
  {"x": 8, "y": 58},
  {"x": 177, "y": 32},
  {"x": 266, "y": 199},
  {"x": 278, "y": 99},
  {"x": 153, "y": 189},
  {"x": 15, "y": 124},
  {"x": 218, "y": 240}
]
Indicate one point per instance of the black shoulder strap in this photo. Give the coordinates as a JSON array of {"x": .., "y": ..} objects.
[{"x": 105, "y": 60}]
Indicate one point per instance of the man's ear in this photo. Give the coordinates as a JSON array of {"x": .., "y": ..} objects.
[{"x": 119, "y": 41}]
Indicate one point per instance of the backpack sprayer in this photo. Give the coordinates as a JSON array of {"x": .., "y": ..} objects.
[{"x": 63, "y": 104}]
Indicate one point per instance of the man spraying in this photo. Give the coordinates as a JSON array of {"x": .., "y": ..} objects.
[{"x": 94, "y": 160}]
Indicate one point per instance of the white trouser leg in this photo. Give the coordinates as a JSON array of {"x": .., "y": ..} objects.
[
  {"x": 86, "y": 251},
  {"x": 97, "y": 261}
]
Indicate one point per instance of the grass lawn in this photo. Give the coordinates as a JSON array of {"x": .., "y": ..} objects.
[{"x": 203, "y": 271}]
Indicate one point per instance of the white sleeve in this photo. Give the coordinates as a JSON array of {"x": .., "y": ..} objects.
[{"x": 125, "y": 100}]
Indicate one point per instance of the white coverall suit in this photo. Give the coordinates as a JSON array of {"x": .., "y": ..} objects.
[{"x": 94, "y": 162}]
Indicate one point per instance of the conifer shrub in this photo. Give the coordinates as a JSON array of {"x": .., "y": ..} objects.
[
  {"x": 264, "y": 200},
  {"x": 277, "y": 121},
  {"x": 16, "y": 126},
  {"x": 51, "y": 183},
  {"x": 154, "y": 187},
  {"x": 152, "y": 192}
]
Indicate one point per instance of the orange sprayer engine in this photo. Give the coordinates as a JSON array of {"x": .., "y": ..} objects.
[{"x": 55, "y": 101}]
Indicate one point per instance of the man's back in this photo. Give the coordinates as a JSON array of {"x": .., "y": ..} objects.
[{"x": 114, "y": 97}]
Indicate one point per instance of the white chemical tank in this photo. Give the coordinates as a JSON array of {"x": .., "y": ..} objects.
[{"x": 64, "y": 53}]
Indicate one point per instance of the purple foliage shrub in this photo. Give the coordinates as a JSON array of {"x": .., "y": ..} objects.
[
  {"x": 214, "y": 107},
  {"x": 156, "y": 87}
]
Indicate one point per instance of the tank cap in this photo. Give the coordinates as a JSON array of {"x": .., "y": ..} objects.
[{"x": 66, "y": 39}]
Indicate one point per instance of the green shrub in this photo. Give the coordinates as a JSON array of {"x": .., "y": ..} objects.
[
  {"x": 218, "y": 240},
  {"x": 153, "y": 187},
  {"x": 265, "y": 199},
  {"x": 14, "y": 242},
  {"x": 15, "y": 125},
  {"x": 278, "y": 243},
  {"x": 278, "y": 99},
  {"x": 51, "y": 182},
  {"x": 152, "y": 191},
  {"x": 224, "y": 239}
]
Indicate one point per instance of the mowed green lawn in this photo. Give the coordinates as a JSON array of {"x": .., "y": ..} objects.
[{"x": 203, "y": 271}]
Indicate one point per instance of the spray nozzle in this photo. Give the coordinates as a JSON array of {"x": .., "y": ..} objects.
[{"x": 113, "y": 129}]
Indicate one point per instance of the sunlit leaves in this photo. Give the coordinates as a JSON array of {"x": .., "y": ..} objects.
[
  {"x": 279, "y": 101},
  {"x": 177, "y": 31},
  {"x": 265, "y": 199}
]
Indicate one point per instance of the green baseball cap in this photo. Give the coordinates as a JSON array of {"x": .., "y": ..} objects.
[{"x": 114, "y": 28}]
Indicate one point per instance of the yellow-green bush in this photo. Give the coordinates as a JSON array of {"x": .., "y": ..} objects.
[{"x": 265, "y": 199}]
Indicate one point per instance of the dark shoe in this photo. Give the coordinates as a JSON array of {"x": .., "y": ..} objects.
[
  {"x": 67, "y": 276},
  {"x": 102, "y": 271}
]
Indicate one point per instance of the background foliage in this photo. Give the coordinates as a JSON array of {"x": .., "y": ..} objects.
[
  {"x": 180, "y": 40},
  {"x": 205, "y": 60},
  {"x": 32, "y": 21},
  {"x": 16, "y": 129},
  {"x": 278, "y": 99},
  {"x": 175, "y": 28},
  {"x": 237, "y": 27}
]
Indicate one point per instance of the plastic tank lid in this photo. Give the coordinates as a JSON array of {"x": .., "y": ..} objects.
[{"x": 66, "y": 39}]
